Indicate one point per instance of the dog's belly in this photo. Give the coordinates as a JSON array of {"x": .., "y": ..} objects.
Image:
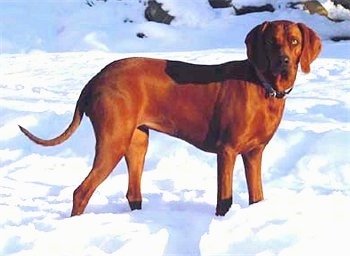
[
  {"x": 212, "y": 129},
  {"x": 188, "y": 129}
]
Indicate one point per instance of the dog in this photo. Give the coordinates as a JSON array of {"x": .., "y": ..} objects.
[{"x": 226, "y": 109}]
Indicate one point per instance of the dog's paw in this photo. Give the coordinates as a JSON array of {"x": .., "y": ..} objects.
[
  {"x": 135, "y": 205},
  {"x": 223, "y": 206}
]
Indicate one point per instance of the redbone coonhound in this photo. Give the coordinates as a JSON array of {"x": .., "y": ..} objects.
[{"x": 227, "y": 109}]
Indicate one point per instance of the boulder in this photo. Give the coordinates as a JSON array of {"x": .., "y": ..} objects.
[
  {"x": 249, "y": 9},
  {"x": 312, "y": 6},
  {"x": 220, "y": 3},
  {"x": 154, "y": 12},
  {"x": 344, "y": 3}
]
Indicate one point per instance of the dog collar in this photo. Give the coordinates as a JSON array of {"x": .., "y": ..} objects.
[{"x": 272, "y": 93}]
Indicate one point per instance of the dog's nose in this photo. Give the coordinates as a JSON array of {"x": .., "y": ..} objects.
[{"x": 284, "y": 60}]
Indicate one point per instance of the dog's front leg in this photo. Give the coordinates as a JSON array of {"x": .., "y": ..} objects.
[
  {"x": 252, "y": 165},
  {"x": 225, "y": 162}
]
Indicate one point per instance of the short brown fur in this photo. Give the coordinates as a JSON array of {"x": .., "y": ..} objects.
[{"x": 222, "y": 109}]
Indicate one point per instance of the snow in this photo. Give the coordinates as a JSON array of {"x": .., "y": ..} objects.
[{"x": 46, "y": 59}]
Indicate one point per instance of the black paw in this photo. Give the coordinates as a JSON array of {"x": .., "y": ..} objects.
[
  {"x": 135, "y": 205},
  {"x": 223, "y": 206}
]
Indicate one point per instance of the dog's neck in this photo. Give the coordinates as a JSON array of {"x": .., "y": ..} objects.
[
  {"x": 271, "y": 84},
  {"x": 271, "y": 92}
]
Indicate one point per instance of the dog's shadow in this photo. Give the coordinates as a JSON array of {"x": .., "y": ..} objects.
[{"x": 185, "y": 222}]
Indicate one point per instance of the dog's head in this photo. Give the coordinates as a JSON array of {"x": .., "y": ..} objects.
[{"x": 278, "y": 47}]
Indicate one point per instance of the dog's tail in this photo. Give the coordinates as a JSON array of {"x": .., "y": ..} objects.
[{"x": 77, "y": 117}]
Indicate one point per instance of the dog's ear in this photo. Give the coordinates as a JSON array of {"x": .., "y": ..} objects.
[
  {"x": 311, "y": 47},
  {"x": 255, "y": 47}
]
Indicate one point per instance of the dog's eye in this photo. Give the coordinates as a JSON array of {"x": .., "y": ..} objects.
[{"x": 294, "y": 41}]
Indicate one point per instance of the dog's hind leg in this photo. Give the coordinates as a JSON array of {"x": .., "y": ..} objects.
[
  {"x": 113, "y": 131},
  {"x": 135, "y": 159},
  {"x": 106, "y": 159}
]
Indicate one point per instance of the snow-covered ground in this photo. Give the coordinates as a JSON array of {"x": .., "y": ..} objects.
[{"x": 45, "y": 61}]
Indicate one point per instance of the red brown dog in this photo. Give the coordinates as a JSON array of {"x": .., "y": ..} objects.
[{"x": 227, "y": 109}]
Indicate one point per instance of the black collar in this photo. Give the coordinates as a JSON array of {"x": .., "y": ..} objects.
[{"x": 272, "y": 93}]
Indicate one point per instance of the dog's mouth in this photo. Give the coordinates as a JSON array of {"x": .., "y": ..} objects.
[
  {"x": 280, "y": 70},
  {"x": 281, "y": 66},
  {"x": 284, "y": 73}
]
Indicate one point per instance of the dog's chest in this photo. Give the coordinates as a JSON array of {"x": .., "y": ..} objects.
[{"x": 246, "y": 127}]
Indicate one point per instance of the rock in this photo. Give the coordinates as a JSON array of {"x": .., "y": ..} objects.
[
  {"x": 154, "y": 12},
  {"x": 340, "y": 38},
  {"x": 249, "y": 9},
  {"x": 220, "y": 3},
  {"x": 141, "y": 35},
  {"x": 344, "y": 3},
  {"x": 312, "y": 6}
]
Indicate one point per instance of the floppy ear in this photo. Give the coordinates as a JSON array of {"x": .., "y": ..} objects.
[
  {"x": 255, "y": 47},
  {"x": 311, "y": 47}
]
